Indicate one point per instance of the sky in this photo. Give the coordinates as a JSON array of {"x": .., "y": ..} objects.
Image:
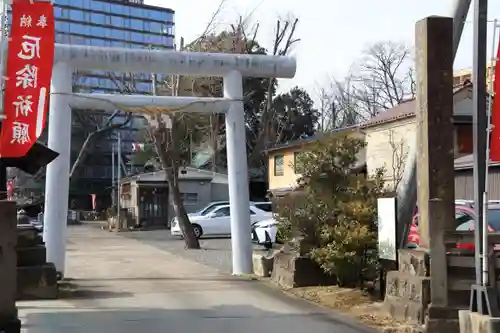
[{"x": 333, "y": 33}]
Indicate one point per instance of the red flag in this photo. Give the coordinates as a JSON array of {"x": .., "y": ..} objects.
[
  {"x": 94, "y": 197},
  {"x": 28, "y": 73},
  {"x": 495, "y": 114},
  {"x": 10, "y": 189}
]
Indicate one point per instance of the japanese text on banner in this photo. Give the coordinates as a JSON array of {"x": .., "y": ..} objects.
[{"x": 29, "y": 70}]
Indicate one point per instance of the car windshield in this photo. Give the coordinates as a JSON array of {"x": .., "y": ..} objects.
[
  {"x": 494, "y": 219},
  {"x": 211, "y": 207},
  {"x": 465, "y": 222}
]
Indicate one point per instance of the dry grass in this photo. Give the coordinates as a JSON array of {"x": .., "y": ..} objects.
[{"x": 354, "y": 303}]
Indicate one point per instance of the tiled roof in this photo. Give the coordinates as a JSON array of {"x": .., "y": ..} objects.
[
  {"x": 467, "y": 162},
  {"x": 404, "y": 109},
  {"x": 299, "y": 142}
]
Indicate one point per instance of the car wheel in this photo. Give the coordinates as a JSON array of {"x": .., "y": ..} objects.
[
  {"x": 197, "y": 230},
  {"x": 268, "y": 246}
]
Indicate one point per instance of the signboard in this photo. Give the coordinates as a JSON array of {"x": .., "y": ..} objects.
[
  {"x": 386, "y": 212},
  {"x": 30, "y": 59}
]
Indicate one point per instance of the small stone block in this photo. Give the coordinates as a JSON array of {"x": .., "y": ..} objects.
[
  {"x": 414, "y": 288},
  {"x": 404, "y": 310},
  {"x": 414, "y": 262},
  {"x": 37, "y": 282},
  {"x": 31, "y": 256},
  {"x": 28, "y": 236},
  {"x": 10, "y": 325},
  {"x": 407, "y": 296},
  {"x": 442, "y": 325},
  {"x": 472, "y": 322},
  {"x": 262, "y": 266}
]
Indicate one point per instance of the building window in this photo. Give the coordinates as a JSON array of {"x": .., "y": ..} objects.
[
  {"x": 117, "y": 21},
  {"x": 296, "y": 168},
  {"x": 279, "y": 164},
  {"x": 76, "y": 15},
  {"x": 136, "y": 24},
  {"x": 190, "y": 198},
  {"x": 168, "y": 29}
]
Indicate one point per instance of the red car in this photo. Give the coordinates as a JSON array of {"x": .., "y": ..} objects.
[{"x": 464, "y": 221}]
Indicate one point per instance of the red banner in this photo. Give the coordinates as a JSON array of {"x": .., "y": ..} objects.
[
  {"x": 30, "y": 59},
  {"x": 495, "y": 115}
]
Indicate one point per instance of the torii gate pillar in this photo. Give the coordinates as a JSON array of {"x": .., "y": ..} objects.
[
  {"x": 238, "y": 176},
  {"x": 57, "y": 175}
]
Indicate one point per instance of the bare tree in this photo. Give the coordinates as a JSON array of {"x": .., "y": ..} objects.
[
  {"x": 169, "y": 134},
  {"x": 327, "y": 118},
  {"x": 167, "y": 140},
  {"x": 399, "y": 154},
  {"x": 97, "y": 126},
  {"x": 340, "y": 105},
  {"x": 386, "y": 74},
  {"x": 380, "y": 80},
  {"x": 267, "y": 133}
]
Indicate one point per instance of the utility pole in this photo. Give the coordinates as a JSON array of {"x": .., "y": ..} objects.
[
  {"x": 113, "y": 192},
  {"x": 483, "y": 296},
  {"x": 119, "y": 176}
]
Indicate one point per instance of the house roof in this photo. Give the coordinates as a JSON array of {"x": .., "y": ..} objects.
[
  {"x": 405, "y": 109},
  {"x": 301, "y": 142},
  {"x": 190, "y": 173},
  {"x": 467, "y": 162}
]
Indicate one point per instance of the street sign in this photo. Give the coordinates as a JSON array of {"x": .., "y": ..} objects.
[{"x": 30, "y": 59}]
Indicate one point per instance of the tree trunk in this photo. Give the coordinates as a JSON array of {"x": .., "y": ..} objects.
[
  {"x": 171, "y": 168},
  {"x": 180, "y": 212}
]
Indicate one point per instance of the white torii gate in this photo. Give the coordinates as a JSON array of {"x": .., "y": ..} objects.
[{"x": 232, "y": 67}]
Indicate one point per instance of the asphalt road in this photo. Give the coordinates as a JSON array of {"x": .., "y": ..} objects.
[
  {"x": 122, "y": 286},
  {"x": 215, "y": 252}
]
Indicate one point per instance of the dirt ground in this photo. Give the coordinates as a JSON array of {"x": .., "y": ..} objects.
[{"x": 354, "y": 303}]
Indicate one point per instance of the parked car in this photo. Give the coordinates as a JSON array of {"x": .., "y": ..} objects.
[
  {"x": 202, "y": 212},
  {"x": 464, "y": 221},
  {"x": 217, "y": 222},
  {"x": 265, "y": 206},
  {"x": 470, "y": 203},
  {"x": 264, "y": 232},
  {"x": 209, "y": 208}
]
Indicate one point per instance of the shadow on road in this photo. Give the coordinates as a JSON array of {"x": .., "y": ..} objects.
[
  {"x": 220, "y": 319},
  {"x": 72, "y": 291}
]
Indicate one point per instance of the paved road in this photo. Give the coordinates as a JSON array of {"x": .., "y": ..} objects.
[
  {"x": 126, "y": 286},
  {"x": 216, "y": 252}
]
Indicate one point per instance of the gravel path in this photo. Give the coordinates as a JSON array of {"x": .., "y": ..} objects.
[{"x": 215, "y": 252}]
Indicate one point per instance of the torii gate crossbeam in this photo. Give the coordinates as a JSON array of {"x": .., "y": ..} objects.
[{"x": 232, "y": 67}]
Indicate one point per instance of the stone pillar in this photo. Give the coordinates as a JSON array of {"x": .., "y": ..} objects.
[
  {"x": 435, "y": 168},
  {"x": 9, "y": 323}
]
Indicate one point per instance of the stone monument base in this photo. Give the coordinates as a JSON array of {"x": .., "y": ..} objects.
[
  {"x": 262, "y": 264},
  {"x": 37, "y": 282},
  {"x": 291, "y": 270},
  {"x": 10, "y": 325},
  {"x": 472, "y": 322}
]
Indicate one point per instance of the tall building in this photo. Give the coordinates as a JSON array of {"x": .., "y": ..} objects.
[{"x": 112, "y": 23}]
